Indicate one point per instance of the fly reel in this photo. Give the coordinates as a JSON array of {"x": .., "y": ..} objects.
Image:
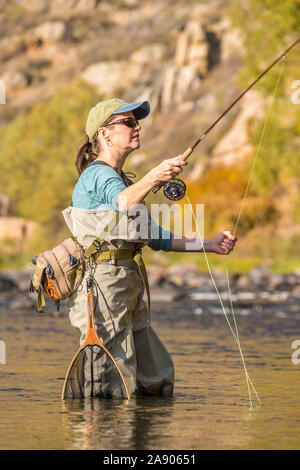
[{"x": 174, "y": 189}]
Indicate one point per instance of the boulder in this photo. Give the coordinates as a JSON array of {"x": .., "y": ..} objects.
[
  {"x": 131, "y": 3},
  {"x": 49, "y": 31},
  {"x": 186, "y": 79},
  {"x": 11, "y": 46},
  {"x": 16, "y": 228},
  {"x": 184, "y": 274},
  {"x": 20, "y": 278},
  {"x": 235, "y": 145},
  {"x": 24, "y": 302},
  {"x": 259, "y": 276},
  {"x": 36, "y": 6},
  {"x": 276, "y": 281},
  {"x": 16, "y": 79},
  {"x": 166, "y": 293},
  {"x": 296, "y": 292},
  {"x": 106, "y": 76},
  {"x": 149, "y": 54},
  {"x": 84, "y": 5},
  {"x": 7, "y": 284},
  {"x": 197, "y": 56},
  {"x": 243, "y": 281},
  {"x": 232, "y": 41},
  {"x": 156, "y": 275},
  {"x": 168, "y": 87},
  {"x": 181, "y": 48},
  {"x": 109, "y": 76}
]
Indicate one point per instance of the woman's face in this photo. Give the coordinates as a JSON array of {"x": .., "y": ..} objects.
[{"x": 124, "y": 139}]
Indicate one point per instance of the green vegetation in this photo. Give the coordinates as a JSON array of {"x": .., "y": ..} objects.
[
  {"x": 15, "y": 261},
  {"x": 268, "y": 27},
  {"x": 37, "y": 154},
  {"x": 38, "y": 149},
  {"x": 268, "y": 228}
]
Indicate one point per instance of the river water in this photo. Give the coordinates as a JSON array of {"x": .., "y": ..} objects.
[{"x": 210, "y": 408}]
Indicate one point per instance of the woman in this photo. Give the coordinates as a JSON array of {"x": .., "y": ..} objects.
[{"x": 102, "y": 191}]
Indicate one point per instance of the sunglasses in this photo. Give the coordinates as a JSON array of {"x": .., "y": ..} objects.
[{"x": 129, "y": 122}]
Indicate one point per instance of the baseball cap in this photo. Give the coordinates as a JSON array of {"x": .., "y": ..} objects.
[{"x": 99, "y": 114}]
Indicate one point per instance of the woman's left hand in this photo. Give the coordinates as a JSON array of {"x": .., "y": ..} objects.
[{"x": 223, "y": 243}]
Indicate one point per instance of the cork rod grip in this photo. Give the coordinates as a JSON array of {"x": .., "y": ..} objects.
[
  {"x": 186, "y": 153},
  {"x": 184, "y": 157}
]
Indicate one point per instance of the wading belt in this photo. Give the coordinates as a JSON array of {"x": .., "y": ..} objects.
[
  {"x": 119, "y": 254},
  {"x": 94, "y": 252},
  {"x": 99, "y": 256}
]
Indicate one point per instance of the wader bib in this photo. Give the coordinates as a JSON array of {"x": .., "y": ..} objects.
[{"x": 121, "y": 314}]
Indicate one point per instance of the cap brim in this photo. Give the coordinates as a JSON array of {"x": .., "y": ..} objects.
[{"x": 141, "y": 109}]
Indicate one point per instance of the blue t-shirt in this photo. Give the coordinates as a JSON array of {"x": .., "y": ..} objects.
[{"x": 99, "y": 186}]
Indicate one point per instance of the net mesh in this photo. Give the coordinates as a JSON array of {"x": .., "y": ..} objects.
[{"x": 94, "y": 374}]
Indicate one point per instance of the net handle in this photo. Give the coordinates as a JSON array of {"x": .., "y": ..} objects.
[{"x": 91, "y": 339}]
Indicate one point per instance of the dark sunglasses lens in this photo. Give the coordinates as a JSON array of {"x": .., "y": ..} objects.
[{"x": 131, "y": 122}]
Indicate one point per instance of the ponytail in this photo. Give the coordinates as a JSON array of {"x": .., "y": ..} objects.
[{"x": 86, "y": 154}]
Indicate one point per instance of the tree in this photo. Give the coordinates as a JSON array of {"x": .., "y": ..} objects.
[{"x": 37, "y": 155}]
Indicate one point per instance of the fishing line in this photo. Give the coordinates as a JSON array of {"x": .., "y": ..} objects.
[
  {"x": 236, "y": 333},
  {"x": 248, "y": 380},
  {"x": 259, "y": 145},
  {"x": 187, "y": 153},
  {"x": 236, "y": 337}
]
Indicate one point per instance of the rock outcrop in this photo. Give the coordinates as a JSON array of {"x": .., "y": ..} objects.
[{"x": 16, "y": 228}]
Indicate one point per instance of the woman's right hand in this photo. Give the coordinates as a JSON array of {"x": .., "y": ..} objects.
[{"x": 167, "y": 170}]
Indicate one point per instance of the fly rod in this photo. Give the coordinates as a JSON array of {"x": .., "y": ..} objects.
[{"x": 175, "y": 189}]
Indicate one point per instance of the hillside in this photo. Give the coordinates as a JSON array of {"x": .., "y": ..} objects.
[{"x": 186, "y": 58}]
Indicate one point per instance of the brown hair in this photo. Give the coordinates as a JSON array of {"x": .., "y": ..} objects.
[{"x": 86, "y": 154}]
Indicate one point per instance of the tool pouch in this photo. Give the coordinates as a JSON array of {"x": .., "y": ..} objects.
[{"x": 58, "y": 271}]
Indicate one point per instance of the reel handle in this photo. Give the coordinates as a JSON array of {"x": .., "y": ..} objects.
[{"x": 184, "y": 157}]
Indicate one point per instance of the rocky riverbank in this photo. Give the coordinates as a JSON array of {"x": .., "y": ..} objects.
[{"x": 183, "y": 288}]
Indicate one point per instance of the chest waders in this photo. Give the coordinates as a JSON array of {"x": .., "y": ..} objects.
[{"x": 121, "y": 317}]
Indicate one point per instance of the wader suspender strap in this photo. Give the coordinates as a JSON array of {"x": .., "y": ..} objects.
[
  {"x": 142, "y": 268},
  {"x": 111, "y": 254},
  {"x": 139, "y": 260},
  {"x": 108, "y": 227}
]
